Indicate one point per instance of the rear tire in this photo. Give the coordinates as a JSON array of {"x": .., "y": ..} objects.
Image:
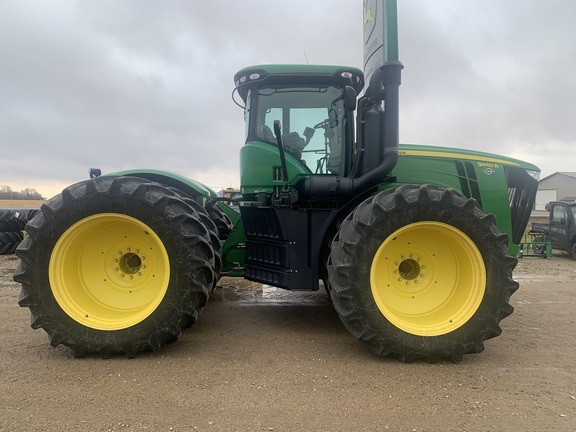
[
  {"x": 221, "y": 220},
  {"x": 421, "y": 273},
  {"x": 115, "y": 265},
  {"x": 203, "y": 215}
]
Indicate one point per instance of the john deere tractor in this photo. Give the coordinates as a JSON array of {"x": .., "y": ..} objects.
[{"x": 414, "y": 244}]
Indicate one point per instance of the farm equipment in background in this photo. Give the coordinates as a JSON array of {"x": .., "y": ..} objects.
[
  {"x": 414, "y": 244},
  {"x": 560, "y": 231}
]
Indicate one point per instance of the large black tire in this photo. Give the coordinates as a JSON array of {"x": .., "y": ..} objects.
[
  {"x": 573, "y": 250},
  {"x": 419, "y": 272},
  {"x": 213, "y": 231},
  {"x": 9, "y": 241},
  {"x": 115, "y": 265},
  {"x": 223, "y": 223},
  {"x": 203, "y": 215}
]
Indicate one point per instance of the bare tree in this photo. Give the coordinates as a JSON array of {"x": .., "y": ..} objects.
[{"x": 6, "y": 192}]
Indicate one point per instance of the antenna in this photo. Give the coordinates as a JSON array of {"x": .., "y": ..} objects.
[{"x": 306, "y": 57}]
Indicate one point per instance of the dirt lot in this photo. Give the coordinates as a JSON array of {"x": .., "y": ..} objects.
[{"x": 263, "y": 360}]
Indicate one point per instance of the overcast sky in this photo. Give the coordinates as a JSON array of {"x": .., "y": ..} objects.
[{"x": 147, "y": 84}]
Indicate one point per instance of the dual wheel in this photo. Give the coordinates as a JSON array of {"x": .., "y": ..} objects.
[
  {"x": 419, "y": 272},
  {"x": 117, "y": 265}
]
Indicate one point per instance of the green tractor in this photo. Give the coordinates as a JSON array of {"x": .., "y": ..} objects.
[{"x": 414, "y": 244}]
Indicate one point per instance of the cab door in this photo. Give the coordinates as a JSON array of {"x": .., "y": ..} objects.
[{"x": 559, "y": 227}]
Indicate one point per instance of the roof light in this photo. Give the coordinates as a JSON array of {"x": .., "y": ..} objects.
[
  {"x": 242, "y": 80},
  {"x": 254, "y": 76},
  {"x": 346, "y": 75}
]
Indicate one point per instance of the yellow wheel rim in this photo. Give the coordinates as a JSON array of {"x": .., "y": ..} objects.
[
  {"x": 109, "y": 271},
  {"x": 428, "y": 278}
]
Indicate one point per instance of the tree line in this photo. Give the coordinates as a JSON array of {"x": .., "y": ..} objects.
[{"x": 6, "y": 193}]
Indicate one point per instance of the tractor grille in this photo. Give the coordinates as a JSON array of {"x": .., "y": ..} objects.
[{"x": 522, "y": 193}]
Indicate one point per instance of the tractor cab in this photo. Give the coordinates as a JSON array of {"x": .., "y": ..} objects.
[{"x": 315, "y": 107}]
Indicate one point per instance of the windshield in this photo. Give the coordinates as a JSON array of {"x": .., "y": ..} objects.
[{"x": 313, "y": 124}]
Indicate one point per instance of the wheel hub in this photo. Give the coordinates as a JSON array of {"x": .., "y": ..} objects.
[
  {"x": 129, "y": 264},
  {"x": 409, "y": 269}
]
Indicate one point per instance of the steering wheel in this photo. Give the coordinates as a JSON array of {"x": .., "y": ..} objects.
[
  {"x": 328, "y": 123},
  {"x": 323, "y": 124}
]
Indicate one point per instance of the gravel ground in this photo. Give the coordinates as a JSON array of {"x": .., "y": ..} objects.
[{"x": 261, "y": 359}]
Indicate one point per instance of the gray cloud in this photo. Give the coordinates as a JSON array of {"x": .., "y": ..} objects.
[{"x": 147, "y": 84}]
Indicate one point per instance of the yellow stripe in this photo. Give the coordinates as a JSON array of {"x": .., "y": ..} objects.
[{"x": 454, "y": 156}]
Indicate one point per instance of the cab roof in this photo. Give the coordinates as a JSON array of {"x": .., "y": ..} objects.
[{"x": 297, "y": 74}]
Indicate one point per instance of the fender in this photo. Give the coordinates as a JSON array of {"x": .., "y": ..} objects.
[{"x": 190, "y": 187}]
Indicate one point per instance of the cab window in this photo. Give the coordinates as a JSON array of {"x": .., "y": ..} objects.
[
  {"x": 559, "y": 214},
  {"x": 312, "y": 120}
]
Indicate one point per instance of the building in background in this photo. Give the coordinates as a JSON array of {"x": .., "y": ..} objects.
[{"x": 556, "y": 187}]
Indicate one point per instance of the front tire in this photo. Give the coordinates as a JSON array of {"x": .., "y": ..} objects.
[
  {"x": 420, "y": 272},
  {"x": 115, "y": 265}
]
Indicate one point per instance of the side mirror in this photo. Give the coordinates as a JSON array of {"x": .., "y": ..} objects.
[{"x": 350, "y": 98}]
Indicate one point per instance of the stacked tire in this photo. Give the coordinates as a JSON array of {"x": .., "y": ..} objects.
[{"x": 12, "y": 224}]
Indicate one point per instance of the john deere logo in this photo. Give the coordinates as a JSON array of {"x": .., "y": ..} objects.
[{"x": 369, "y": 18}]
